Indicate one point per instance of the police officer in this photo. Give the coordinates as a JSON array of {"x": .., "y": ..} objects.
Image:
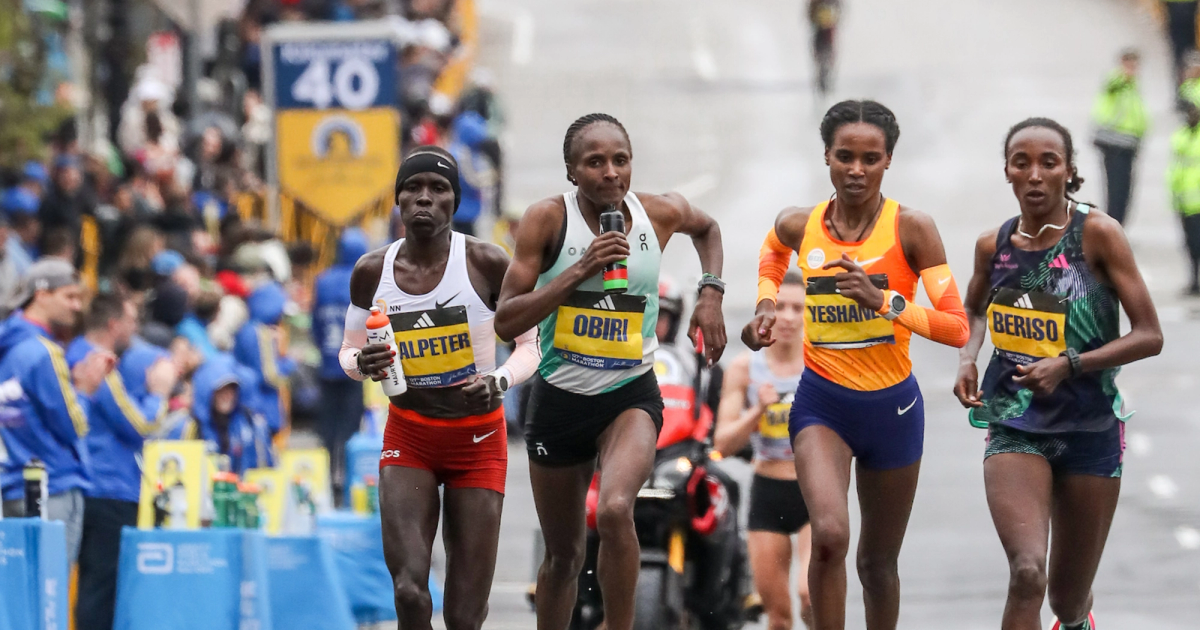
[
  {"x": 1120, "y": 118},
  {"x": 1181, "y": 28},
  {"x": 1184, "y": 180}
]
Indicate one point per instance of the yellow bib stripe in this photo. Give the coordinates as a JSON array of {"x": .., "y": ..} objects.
[
  {"x": 601, "y": 331},
  {"x": 835, "y": 321},
  {"x": 773, "y": 424},
  {"x": 434, "y": 346},
  {"x": 1028, "y": 323}
]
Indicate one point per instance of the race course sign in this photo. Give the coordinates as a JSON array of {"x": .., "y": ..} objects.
[{"x": 337, "y": 129}]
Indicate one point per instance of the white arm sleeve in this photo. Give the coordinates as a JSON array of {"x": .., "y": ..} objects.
[
  {"x": 524, "y": 359},
  {"x": 354, "y": 337}
]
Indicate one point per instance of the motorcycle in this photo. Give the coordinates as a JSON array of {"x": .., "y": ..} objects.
[{"x": 694, "y": 571}]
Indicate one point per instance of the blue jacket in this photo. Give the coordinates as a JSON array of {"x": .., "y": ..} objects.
[
  {"x": 331, "y": 298},
  {"x": 15, "y": 329},
  {"x": 194, "y": 330},
  {"x": 41, "y": 416},
  {"x": 255, "y": 347},
  {"x": 123, "y": 415},
  {"x": 249, "y": 443},
  {"x": 470, "y": 130}
]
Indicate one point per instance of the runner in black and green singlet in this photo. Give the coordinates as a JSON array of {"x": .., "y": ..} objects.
[{"x": 1047, "y": 288}]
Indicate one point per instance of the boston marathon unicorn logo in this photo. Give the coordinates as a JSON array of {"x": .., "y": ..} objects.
[{"x": 339, "y": 138}]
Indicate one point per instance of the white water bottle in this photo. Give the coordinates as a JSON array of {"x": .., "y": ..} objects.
[{"x": 379, "y": 330}]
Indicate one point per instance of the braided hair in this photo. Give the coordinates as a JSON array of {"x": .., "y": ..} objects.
[
  {"x": 1075, "y": 182},
  {"x": 581, "y": 123},
  {"x": 865, "y": 111}
]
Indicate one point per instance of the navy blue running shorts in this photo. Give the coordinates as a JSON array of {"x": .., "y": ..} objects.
[{"x": 885, "y": 428}]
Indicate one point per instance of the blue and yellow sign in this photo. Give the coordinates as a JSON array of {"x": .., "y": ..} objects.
[
  {"x": 835, "y": 321},
  {"x": 1032, "y": 324},
  {"x": 337, "y": 162},
  {"x": 434, "y": 346},
  {"x": 337, "y": 127},
  {"x": 600, "y": 330}
]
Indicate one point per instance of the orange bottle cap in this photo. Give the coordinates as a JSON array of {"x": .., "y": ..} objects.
[{"x": 377, "y": 319}]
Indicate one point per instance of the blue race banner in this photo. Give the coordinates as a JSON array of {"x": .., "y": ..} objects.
[
  {"x": 347, "y": 74},
  {"x": 33, "y": 574},
  {"x": 357, "y": 544},
  {"x": 212, "y": 578},
  {"x": 306, "y": 591}
]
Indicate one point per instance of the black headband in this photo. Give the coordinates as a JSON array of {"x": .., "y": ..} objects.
[{"x": 429, "y": 163}]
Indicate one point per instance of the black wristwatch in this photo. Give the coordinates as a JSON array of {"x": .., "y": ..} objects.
[
  {"x": 1074, "y": 359},
  {"x": 711, "y": 280}
]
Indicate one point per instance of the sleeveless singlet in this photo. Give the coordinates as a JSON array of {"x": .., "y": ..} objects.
[
  {"x": 597, "y": 341},
  {"x": 771, "y": 440},
  {"x": 445, "y": 336},
  {"x": 1043, "y": 302},
  {"x": 845, "y": 343}
]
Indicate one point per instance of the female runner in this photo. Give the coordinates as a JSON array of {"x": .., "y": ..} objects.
[
  {"x": 861, "y": 254},
  {"x": 439, "y": 287},
  {"x": 756, "y": 399},
  {"x": 1047, "y": 286}
]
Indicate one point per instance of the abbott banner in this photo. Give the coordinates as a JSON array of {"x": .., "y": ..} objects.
[{"x": 332, "y": 87}]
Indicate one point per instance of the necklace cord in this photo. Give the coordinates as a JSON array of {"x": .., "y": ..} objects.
[
  {"x": 870, "y": 222},
  {"x": 1046, "y": 226}
]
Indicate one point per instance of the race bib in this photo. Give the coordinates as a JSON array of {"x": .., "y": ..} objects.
[
  {"x": 602, "y": 331},
  {"x": 434, "y": 346},
  {"x": 773, "y": 424},
  {"x": 839, "y": 323},
  {"x": 1030, "y": 323}
]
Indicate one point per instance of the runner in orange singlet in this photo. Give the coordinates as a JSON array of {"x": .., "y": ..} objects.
[{"x": 861, "y": 255}]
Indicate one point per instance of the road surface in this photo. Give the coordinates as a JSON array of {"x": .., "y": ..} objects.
[{"x": 717, "y": 99}]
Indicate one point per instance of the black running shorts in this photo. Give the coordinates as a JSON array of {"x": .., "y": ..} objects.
[
  {"x": 562, "y": 428},
  {"x": 776, "y": 505}
]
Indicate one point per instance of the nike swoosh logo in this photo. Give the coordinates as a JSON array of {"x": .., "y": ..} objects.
[
  {"x": 943, "y": 280},
  {"x": 864, "y": 263},
  {"x": 442, "y": 165},
  {"x": 901, "y": 412},
  {"x": 480, "y": 438},
  {"x": 441, "y": 305}
]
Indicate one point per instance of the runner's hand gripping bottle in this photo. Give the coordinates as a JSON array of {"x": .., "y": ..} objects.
[
  {"x": 616, "y": 275},
  {"x": 379, "y": 330}
]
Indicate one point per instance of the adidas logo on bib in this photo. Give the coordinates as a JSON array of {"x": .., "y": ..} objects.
[
  {"x": 1024, "y": 301},
  {"x": 606, "y": 304},
  {"x": 423, "y": 322}
]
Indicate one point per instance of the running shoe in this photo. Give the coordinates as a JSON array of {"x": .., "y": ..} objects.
[{"x": 1090, "y": 625}]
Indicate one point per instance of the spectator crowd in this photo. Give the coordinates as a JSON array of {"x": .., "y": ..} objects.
[{"x": 139, "y": 302}]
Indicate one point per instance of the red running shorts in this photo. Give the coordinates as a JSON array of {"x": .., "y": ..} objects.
[{"x": 470, "y": 452}]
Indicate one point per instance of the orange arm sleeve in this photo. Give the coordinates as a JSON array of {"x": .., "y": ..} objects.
[
  {"x": 946, "y": 322},
  {"x": 773, "y": 261}
]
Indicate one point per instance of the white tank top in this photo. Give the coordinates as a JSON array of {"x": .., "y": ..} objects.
[
  {"x": 771, "y": 440},
  {"x": 596, "y": 341},
  {"x": 445, "y": 336}
]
